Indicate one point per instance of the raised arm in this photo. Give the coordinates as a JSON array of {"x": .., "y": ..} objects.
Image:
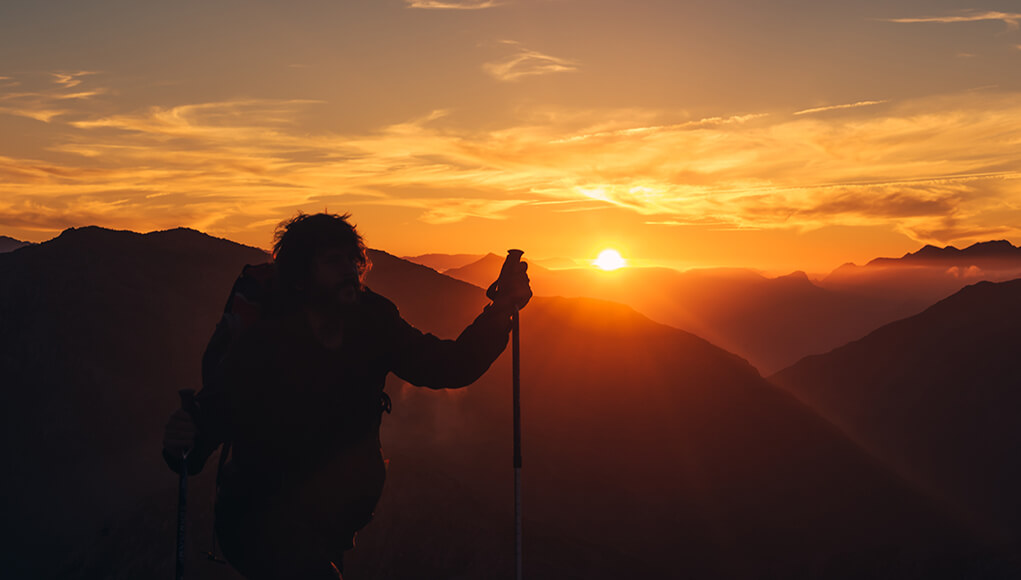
[{"x": 425, "y": 360}]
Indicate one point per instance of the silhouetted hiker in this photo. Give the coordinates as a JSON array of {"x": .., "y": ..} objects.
[{"x": 300, "y": 396}]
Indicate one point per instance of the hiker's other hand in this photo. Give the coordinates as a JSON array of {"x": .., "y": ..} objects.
[
  {"x": 179, "y": 435},
  {"x": 514, "y": 289}
]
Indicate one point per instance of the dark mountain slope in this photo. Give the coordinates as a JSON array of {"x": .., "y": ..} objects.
[
  {"x": 99, "y": 329},
  {"x": 678, "y": 454},
  {"x": 441, "y": 262},
  {"x": 8, "y": 244},
  {"x": 936, "y": 395}
]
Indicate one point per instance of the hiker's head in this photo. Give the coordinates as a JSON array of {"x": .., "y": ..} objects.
[{"x": 319, "y": 254}]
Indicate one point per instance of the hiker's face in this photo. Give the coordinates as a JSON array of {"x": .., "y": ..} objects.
[{"x": 335, "y": 280}]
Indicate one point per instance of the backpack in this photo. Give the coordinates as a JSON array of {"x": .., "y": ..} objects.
[{"x": 251, "y": 298}]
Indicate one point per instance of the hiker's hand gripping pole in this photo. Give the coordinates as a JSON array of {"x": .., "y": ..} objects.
[
  {"x": 188, "y": 405},
  {"x": 512, "y": 285}
]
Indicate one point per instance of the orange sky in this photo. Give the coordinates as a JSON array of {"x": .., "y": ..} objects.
[{"x": 680, "y": 133}]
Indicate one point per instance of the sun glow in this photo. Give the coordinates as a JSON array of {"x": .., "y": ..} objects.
[{"x": 609, "y": 260}]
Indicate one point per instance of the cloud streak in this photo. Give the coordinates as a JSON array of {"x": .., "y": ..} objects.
[
  {"x": 44, "y": 103},
  {"x": 1010, "y": 18},
  {"x": 70, "y": 80},
  {"x": 452, "y": 4},
  {"x": 839, "y": 107},
  {"x": 524, "y": 62}
]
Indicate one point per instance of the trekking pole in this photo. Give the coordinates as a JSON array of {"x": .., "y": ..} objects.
[
  {"x": 516, "y": 379},
  {"x": 512, "y": 260},
  {"x": 188, "y": 404},
  {"x": 224, "y": 453}
]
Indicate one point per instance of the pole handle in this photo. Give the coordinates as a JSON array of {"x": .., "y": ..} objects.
[
  {"x": 188, "y": 404},
  {"x": 509, "y": 263},
  {"x": 188, "y": 400}
]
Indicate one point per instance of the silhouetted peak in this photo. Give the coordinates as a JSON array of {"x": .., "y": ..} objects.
[
  {"x": 796, "y": 275},
  {"x": 990, "y": 249},
  {"x": 179, "y": 232},
  {"x": 950, "y": 254},
  {"x": 388, "y": 269},
  {"x": 442, "y": 262},
  {"x": 488, "y": 263},
  {"x": 9, "y": 244},
  {"x": 99, "y": 239},
  {"x": 930, "y": 251},
  {"x": 993, "y": 248},
  {"x": 382, "y": 258},
  {"x": 84, "y": 233},
  {"x": 846, "y": 267}
]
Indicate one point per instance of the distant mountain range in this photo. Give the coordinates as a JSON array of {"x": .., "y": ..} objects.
[
  {"x": 938, "y": 396},
  {"x": 930, "y": 274},
  {"x": 441, "y": 262},
  {"x": 993, "y": 254},
  {"x": 774, "y": 322},
  {"x": 649, "y": 452},
  {"x": 444, "y": 262}
]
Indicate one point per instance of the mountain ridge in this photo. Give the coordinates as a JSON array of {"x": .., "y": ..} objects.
[
  {"x": 934, "y": 395},
  {"x": 9, "y": 244},
  {"x": 988, "y": 250}
]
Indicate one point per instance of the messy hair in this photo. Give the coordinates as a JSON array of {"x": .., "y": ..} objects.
[{"x": 299, "y": 240}]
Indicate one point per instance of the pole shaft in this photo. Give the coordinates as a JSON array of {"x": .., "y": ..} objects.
[
  {"x": 182, "y": 520},
  {"x": 516, "y": 377},
  {"x": 517, "y": 524},
  {"x": 188, "y": 404}
]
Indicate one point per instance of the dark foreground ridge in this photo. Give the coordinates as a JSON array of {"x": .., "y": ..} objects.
[{"x": 648, "y": 451}]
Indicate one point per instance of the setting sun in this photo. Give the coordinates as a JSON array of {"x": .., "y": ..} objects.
[{"x": 609, "y": 260}]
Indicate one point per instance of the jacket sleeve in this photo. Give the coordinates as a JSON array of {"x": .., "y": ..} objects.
[{"x": 428, "y": 361}]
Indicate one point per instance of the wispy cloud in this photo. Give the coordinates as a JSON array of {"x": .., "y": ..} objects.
[
  {"x": 453, "y": 210},
  {"x": 452, "y": 4},
  {"x": 936, "y": 168},
  {"x": 70, "y": 80},
  {"x": 524, "y": 62},
  {"x": 42, "y": 101},
  {"x": 1010, "y": 18},
  {"x": 636, "y": 131},
  {"x": 839, "y": 107}
]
